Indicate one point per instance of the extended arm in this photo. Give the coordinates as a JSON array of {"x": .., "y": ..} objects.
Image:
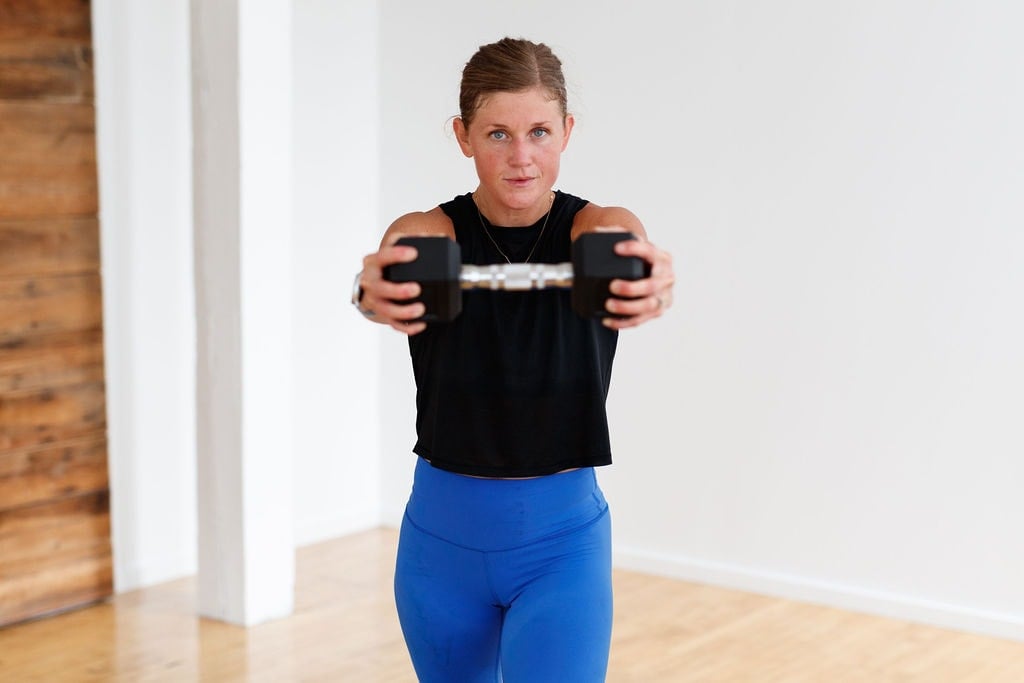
[
  {"x": 644, "y": 299},
  {"x": 376, "y": 296}
]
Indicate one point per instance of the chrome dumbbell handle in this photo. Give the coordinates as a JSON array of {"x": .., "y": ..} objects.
[
  {"x": 517, "y": 276},
  {"x": 443, "y": 276}
]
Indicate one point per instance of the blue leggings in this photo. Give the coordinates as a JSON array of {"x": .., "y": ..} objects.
[{"x": 505, "y": 579}]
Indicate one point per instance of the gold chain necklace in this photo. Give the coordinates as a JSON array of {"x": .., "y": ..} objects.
[{"x": 487, "y": 232}]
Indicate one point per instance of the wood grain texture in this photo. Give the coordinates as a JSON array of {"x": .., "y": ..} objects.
[
  {"x": 51, "y": 416},
  {"x": 54, "y": 502},
  {"x": 39, "y": 19},
  {"x": 52, "y": 69},
  {"x": 49, "y": 164},
  {"x": 345, "y": 629},
  {"x": 56, "y": 134},
  {"x": 37, "y": 475},
  {"x": 36, "y": 307},
  {"x": 49, "y": 246},
  {"x": 59, "y": 360},
  {"x": 54, "y": 556}
]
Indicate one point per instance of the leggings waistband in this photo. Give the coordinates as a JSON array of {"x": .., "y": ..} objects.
[{"x": 500, "y": 514}]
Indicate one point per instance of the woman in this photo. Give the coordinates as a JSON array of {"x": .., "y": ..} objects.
[{"x": 504, "y": 561}]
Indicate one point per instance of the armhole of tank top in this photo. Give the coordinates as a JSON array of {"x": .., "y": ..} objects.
[{"x": 464, "y": 222}]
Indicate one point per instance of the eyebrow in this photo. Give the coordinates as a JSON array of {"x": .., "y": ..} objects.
[{"x": 539, "y": 124}]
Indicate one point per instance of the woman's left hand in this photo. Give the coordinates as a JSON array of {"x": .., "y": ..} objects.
[{"x": 642, "y": 300}]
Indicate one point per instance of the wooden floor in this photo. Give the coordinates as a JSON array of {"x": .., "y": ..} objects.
[{"x": 344, "y": 629}]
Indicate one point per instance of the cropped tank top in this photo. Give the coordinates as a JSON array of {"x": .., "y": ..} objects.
[{"x": 516, "y": 385}]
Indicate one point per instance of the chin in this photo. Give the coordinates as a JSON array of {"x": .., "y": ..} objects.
[{"x": 525, "y": 197}]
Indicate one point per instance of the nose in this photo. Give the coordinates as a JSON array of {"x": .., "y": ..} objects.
[{"x": 519, "y": 153}]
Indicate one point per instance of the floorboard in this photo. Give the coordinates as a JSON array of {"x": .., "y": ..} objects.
[{"x": 344, "y": 629}]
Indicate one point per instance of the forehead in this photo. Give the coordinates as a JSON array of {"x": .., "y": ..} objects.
[{"x": 531, "y": 106}]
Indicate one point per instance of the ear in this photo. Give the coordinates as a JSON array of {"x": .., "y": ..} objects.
[
  {"x": 462, "y": 135},
  {"x": 569, "y": 123}
]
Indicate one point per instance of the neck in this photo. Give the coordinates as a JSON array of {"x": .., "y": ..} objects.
[{"x": 513, "y": 218}]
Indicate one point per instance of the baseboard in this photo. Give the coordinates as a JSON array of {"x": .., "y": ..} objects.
[
  {"x": 132, "y": 576},
  {"x": 391, "y": 516},
  {"x": 853, "y": 598}
]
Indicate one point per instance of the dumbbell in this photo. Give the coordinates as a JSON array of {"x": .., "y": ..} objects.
[{"x": 439, "y": 270}]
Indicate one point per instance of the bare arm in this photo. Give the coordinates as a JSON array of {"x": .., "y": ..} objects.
[
  {"x": 644, "y": 299},
  {"x": 379, "y": 295}
]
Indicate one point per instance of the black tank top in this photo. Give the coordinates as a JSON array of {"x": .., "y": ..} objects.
[{"x": 516, "y": 385}]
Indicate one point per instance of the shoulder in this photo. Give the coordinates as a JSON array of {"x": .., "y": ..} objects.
[
  {"x": 420, "y": 224},
  {"x": 592, "y": 218}
]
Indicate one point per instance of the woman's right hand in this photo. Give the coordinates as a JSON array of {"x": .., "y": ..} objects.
[{"x": 379, "y": 301}]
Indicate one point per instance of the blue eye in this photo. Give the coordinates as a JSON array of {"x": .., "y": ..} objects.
[
  {"x": 538, "y": 132},
  {"x": 498, "y": 135}
]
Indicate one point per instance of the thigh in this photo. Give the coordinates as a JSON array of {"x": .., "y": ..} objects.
[
  {"x": 448, "y": 617},
  {"x": 558, "y": 628}
]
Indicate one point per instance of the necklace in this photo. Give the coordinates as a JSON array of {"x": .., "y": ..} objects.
[{"x": 487, "y": 232}]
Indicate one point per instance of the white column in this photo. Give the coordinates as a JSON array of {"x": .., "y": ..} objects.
[{"x": 241, "y": 89}]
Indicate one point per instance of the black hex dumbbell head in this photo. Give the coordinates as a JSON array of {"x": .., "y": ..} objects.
[
  {"x": 436, "y": 268},
  {"x": 595, "y": 264}
]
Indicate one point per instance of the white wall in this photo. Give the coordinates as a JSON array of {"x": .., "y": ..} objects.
[
  {"x": 832, "y": 409},
  {"x": 828, "y": 411},
  {"x": 337, "y": 427},
  {"x": 144, "y": 146},
  {"x": 144, "y": 155}
]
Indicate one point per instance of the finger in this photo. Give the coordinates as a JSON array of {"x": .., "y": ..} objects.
[
  {"x": 387, "y": 256},
  {"x": 643, "y": 310},
  {"x": 636, "y": 247},
  {"x": 624, "y": 323},
  {"x": 633, "y": 312},
  {"x": 660, "y": 263},
  {"x": 659, "y": 259},
  {"x": 632, "y": 247},
  {"x": 375, "y": 290},
  {"x": 409, "y": 328},
  {"x": 393, "y": 313},
  {"x": 661, "y": 277},
  {"x": 632, "y": 289},
  {"x": 652, "y": 306}
]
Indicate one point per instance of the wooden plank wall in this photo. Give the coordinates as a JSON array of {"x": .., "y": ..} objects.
[{"x": 54, "y": 498}]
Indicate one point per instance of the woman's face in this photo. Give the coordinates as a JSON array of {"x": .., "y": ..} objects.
[{"x": 516, "y": 140}]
